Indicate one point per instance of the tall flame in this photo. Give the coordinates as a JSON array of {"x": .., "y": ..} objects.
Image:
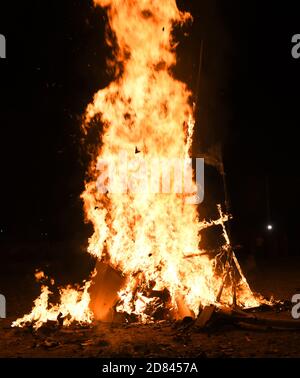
[
  {"x": 146, "y": 109},
  {"x": 152, "y": 238}
]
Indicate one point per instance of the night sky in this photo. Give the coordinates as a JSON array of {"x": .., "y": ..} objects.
[{"x": 56, "y": 61}]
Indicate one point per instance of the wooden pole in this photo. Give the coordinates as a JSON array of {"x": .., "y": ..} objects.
[{"x": 198, "y": 76}]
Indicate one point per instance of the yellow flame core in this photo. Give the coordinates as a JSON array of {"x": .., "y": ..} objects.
[{"x": 153, "y": 236}]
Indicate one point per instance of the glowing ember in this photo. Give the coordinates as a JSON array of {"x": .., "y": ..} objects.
[{"x": 151, "y": 237}]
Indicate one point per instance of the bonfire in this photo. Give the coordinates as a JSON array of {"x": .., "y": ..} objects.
[{"x": 142, "y": 194}]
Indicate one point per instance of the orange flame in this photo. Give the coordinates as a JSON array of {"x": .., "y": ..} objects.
[
  {"x": 73, "y": 306},
  {"x": 148, "y": 110}
]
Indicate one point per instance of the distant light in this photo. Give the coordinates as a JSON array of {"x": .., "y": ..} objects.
[{"x": 269, "y": 227}]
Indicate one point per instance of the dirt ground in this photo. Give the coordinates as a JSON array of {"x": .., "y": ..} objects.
[{"x": 163, "y": 339}]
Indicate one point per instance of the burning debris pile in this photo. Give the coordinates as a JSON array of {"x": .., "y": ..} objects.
[
  {"x": 73, "y": 305},
  {"x": 146, "y": 238}
]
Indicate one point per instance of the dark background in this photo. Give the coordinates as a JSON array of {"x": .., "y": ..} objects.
[{"x": 248, "y": 101}]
